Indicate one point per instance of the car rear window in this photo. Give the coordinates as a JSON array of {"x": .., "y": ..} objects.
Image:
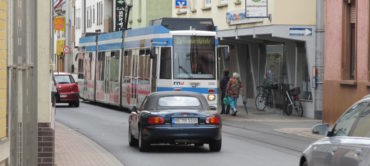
[
  {"x": 64, "y": 79},
  {"x": 179, "y": 101}
]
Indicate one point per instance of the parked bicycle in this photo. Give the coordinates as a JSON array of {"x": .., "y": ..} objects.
[
  {"x": 265, "y": 95},
  {"x": 291, "y": 100}
]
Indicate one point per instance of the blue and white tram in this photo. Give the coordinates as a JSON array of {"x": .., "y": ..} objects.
[
  {"x": 86, "y": 76},
  {"x": 184, "y": 59}
]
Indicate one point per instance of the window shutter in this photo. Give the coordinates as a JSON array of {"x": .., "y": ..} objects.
[{"x": 353, "y": 13}]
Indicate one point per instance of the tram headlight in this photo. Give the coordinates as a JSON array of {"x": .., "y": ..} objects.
[{"x": 211, "y": 97}]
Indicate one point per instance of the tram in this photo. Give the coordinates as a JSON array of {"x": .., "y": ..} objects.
[{"x": 173, "y": 54}]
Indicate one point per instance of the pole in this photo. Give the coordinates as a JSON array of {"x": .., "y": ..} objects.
[
  {"x": 66, "y": 43},
  {"x": 29, "y": 83},
  {"x": 320, "y": 57}
]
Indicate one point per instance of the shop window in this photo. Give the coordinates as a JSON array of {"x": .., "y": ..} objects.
[{"x": 349, "y": 40}]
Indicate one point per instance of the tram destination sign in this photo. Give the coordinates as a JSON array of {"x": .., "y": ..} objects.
[
  {"x": 120, "y": 14},
  {"x": 193, "y": 41}
]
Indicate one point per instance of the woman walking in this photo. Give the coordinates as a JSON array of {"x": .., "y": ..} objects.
[{"x": 233, "y": 88}]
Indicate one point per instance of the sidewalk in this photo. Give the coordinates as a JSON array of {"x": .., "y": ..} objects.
[
  {"x": 277, "y": 119},
  {"x": 74, "y": 149}
]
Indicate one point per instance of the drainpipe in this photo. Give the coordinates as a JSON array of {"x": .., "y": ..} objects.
[{"x": 320, "y": 57}]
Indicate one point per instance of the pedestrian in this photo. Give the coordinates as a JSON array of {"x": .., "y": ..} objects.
[
  {"x": 233, "y": 88},
  {"x": 223, "y": 83}
]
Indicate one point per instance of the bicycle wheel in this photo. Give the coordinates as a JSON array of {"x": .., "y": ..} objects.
[
  {"x": 288, "y": 110},
  {"x": 299, "y": 109},
  {"x": 260, "y": 102}
]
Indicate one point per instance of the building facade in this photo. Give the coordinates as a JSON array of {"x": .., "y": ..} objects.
[
  {"x": 4, "y": 141},
  {"x": 347, "y": 62},
  {"x": 143, "y": 11},
  {"x": 281, "y": 44}
]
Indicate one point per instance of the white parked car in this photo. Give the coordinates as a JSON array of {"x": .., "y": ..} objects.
[{"x": 347, "y": 143}]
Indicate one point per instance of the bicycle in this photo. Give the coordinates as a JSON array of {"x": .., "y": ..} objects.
[
  {"x": 265, "y": 96},
  {"x": 292, "y": 101}
]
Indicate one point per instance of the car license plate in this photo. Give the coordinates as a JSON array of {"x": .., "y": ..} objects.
[
  {"x": 63, "y": 96},
  {"x": 185, "y": 120}
]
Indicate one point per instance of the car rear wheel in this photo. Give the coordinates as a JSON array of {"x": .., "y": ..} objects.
[
  {"x": 215, "y": 145},
  {"x": 131, "y": 140},
  {"x": 143, "y": 145},
  {"x": 77, "y": 103}
]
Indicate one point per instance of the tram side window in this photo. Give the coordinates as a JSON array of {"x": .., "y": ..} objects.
[
  {"x": 100, "y": 66},
  {"x": 126, "y": 77},
  {"x": 114, "y": 66},
  {"x": 81, "y": 67},
  {"x": 165, "y": 69}
]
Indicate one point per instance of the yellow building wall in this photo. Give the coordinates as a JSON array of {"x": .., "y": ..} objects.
[
  {"x": 283, "y": 12},
  {"x": 3, "y": 64},
  {"x": 294, "y": 12}
]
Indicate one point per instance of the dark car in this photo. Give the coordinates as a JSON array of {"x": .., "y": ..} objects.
[
  {"x": 175, "y": 118},
  {"x": 67, "y": 89},
  {"x": 346, "y": 143}
]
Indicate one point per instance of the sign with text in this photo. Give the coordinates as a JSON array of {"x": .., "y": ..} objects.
[
  {"x": 238, "y": 17},
  {"x": 59, "y": 24},
  {"x": 256, "y": 8},
  {"x": 120, "y": 15},
  {"x": 181, "y": 4},
  {"x": 298, "y": 31}
]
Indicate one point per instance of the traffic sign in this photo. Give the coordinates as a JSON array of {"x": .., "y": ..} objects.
[
  {"x": 66, "y": 50},
  {"x": 300, "y": 31}
]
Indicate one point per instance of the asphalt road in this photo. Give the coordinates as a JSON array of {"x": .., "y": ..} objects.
[{"x": 254, "y": 144}]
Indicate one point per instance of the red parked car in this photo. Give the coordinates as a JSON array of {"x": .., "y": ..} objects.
[{"x": 67, "y": 89}]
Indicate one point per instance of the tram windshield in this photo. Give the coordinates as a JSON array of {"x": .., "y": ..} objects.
[{"x": 194, "y": 57}]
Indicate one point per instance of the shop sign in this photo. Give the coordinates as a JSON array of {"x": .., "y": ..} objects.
[
  {"x": 238, "y": 17},
  {"x": 120, "y": 15},
  {"x": 256, "y": 8},
  {"x": 59, "y": 24},
  {"x": 60, "y": 47},
  {"x": 181, "y": 4}
]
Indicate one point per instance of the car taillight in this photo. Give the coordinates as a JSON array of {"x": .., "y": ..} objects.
[
  {"x": 213, "y": 120},
  {"x": 211, "y": 91},
  {"x": 155, "y": 120},
  {"x": 75, "y": 88}
]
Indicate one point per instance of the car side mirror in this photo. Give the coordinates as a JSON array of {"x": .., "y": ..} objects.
[
  {"x": 134, "y": 109},
  {"x": 211, "y": 107},
  {"x": 320, "y": 129}
]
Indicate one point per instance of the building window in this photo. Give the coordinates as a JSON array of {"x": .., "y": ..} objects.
[
  {"x": 193, "y": 5},
  {"x": 93, "y": 14},
  {"x": 349, "y": 40},
  {"x": 207, "y": 3},
  {"x": 223, "y": 2}
]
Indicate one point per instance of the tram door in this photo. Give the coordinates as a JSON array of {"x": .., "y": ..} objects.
[
  {"x": 143, "y": 75},
  {"x": 101, "y": 77},
  {"x": 113, "y": 87},
  {"x": 126, "y": 78},
  {"x": 134, "y": 77}
]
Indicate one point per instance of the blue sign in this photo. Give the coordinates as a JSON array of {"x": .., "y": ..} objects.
[
  {"x": 300, "y": 31},
  {"x": 181, "y": 4}
]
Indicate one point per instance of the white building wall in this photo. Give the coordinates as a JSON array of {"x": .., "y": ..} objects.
[
  {"x": 79, "y": 21},
  {"x": 92, "y": 15}
]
